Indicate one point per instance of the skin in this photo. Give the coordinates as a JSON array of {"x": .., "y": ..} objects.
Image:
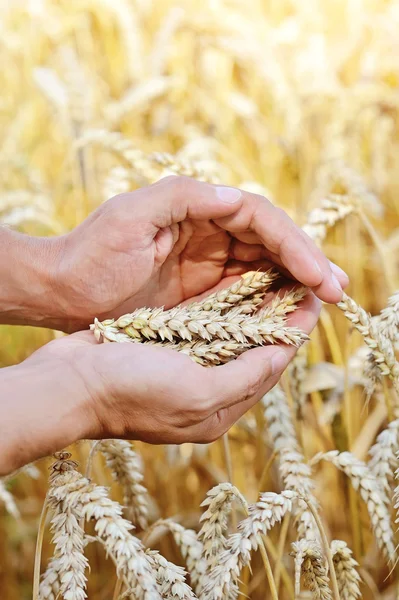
[{"x": 162, "y": 245}]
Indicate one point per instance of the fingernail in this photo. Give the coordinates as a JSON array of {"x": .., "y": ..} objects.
[
  {"x": 228, "y": 194},
  {"x": 336, "y": 283},
  {"x": 338, "y": 271},
  {"x": 279, "y": 361}
]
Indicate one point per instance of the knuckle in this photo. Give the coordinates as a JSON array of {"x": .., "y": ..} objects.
[{"x": 180, "y": 184}]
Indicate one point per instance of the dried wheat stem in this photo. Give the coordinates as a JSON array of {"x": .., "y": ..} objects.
[
  {"x": 346, "y": 570},
  {"x": 310, "y": 563},
  {"x": 373, "y": 494},
  {"x": 127, "y": 469}
]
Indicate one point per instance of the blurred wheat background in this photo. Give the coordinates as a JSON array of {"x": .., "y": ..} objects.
[{"x": 294, "y": 99}]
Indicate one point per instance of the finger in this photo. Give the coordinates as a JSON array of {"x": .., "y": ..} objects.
[
  {"x": 239, "y": 211},
  {"x": 246, "y": 252},
  {"x": 242, "y": 378},
  {"x": 236, "y": 267}
]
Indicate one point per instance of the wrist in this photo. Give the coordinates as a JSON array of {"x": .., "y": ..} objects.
[
  {"x": 49, "y": 410},
  {"x": 28, "y": 271}
]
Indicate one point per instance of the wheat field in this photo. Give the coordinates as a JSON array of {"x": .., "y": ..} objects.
[{"x": 296, "y": 100}]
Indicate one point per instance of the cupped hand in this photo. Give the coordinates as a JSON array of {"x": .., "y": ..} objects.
[
  {"x": 176, "y": 239},
  {"x": 158, "y": 395}
]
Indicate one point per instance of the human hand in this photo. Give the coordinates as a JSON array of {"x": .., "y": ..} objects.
[
  {"x": 163, "y": 244},
  {"x": 74, "y": 388}
]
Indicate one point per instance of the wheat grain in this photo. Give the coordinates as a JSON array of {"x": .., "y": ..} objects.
[
  {"x": 373, "y": 494},
  {"x": 346, "y": 570},
  {"x": 310, "y": 563},
  {"x": 127, "y": 469}
]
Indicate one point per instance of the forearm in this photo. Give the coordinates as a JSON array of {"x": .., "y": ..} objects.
[
  {"x": 27, "y": 276},
  {"x": 43, "y": 408}
]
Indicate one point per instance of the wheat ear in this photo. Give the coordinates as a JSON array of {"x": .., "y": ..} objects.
[
  {"x": 346, "y": 570},
  {"x": 180, "y": 325},
  {"x": 332, "y": 209},
  {"x": 127, "y": 468},
  {"x": 222, "y": 580},
  {"x": 214, "y": 519},
  {"x": 69, "y": 562},
  {"x": 50, "y": 585},
  {"x": 70, "y": 489},
  {"x": 384, "y": 461},
  {"x": 171, "y": 578},
  {"x": 7, "y": 499},
  {"x": 370, "y": 490},
  {"x": 191, "y": 549},
  {"x": 296, "y": 474},
  {"x": 381, "y": 347},
  {"x": 309, "y": 563},
  {"x": 247, "y": 291}
]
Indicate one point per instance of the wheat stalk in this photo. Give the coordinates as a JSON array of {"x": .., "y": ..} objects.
[
  {"x": 346, "y": 570},
  {"x": 127, "y": 469},
  {"x": 310, "y": 563},
  {"x": 373, "y": 494}
]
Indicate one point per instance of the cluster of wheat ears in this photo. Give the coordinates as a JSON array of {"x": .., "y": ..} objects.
[{"x": 295, "y": 100}]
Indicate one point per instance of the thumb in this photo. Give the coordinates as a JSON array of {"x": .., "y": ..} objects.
[{"x": 242, "y": 379}]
